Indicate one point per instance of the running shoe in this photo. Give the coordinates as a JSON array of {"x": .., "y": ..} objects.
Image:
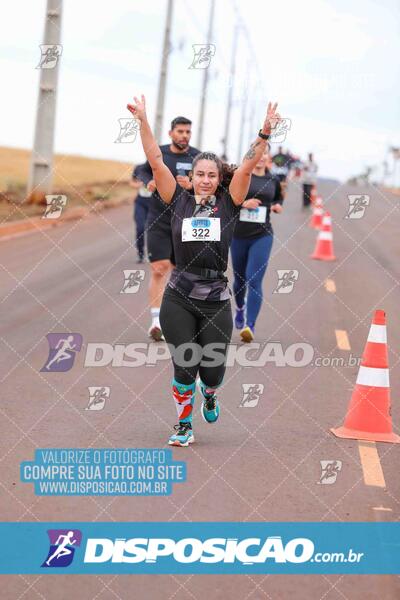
[
  {"x": 210, "y": 409},
  {"x": 183, "y": 435},
  {"x": 239, "y": 318},
  {"x": 247, "y": 334},
  {"x": 156, "y": 334}
]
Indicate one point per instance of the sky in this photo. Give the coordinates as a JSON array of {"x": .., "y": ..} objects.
[{"x": 330, "y": 64}]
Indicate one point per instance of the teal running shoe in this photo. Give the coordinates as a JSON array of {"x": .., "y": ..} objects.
[
  {"x": 183, "y": 435},
  {"x": 210, "y": 409}
]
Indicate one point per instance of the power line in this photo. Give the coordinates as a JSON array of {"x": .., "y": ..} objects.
[
  {"x": 230, "y": 91},
  {"x": 243, "y": 117},
  {"x": 199, "y": 27},
  {"x": 248, "y": 39}
]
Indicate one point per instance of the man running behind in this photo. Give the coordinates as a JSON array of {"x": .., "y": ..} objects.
[{"x": 177, "y": 156}]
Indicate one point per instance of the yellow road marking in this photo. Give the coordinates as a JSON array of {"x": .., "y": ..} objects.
[
  {"x": 330, "y": 286},
  {"x": 342, "y": 339},
  {"x": 371, "y": 465}
]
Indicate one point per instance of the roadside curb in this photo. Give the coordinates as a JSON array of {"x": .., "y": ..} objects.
[{"x": 28, "y": 225}]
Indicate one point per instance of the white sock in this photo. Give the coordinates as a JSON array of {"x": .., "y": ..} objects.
[{"x": 155, "y": 317}]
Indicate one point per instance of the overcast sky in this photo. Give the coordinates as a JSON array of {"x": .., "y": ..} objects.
[{"x": 333, "y": 66}]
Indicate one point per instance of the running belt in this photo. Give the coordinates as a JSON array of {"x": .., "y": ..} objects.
[{"x": 205, "y": 273}]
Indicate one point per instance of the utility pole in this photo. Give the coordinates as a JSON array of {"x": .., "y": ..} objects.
[
  {"x": 396, "y": 156},
  {"x": 41, "y": 167},
  {"x": 162, "y": 83},
  {"x": 230, "y": 89},
  {"x": 205, "y": 80},
  {"x": 245, "y": 97}
]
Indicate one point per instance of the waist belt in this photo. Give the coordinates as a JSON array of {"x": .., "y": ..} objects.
[{"x": 206, "y": 273}]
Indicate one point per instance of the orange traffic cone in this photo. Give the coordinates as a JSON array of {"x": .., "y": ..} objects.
[
  {"x": 313, "y": 194},
  {"x": 368, "y": 416},
  {"x": 318, "y": 211},
  {"x": 324, "y": 246}
]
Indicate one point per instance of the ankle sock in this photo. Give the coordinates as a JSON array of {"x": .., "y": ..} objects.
[
  {"x": 206, "y": 391},
  {"x": 155, "y": 316}
]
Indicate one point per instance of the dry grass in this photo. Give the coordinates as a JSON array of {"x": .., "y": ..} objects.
[
  {"x": 76, "y": 170},
  {"x": 82, "y": 180},
  {"x": 395, "y": 191}
]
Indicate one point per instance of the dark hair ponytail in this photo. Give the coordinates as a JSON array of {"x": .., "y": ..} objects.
[{"x": 225, "y": 171}]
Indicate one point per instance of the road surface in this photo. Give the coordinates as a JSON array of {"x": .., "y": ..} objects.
[{"x": 261, "y": 462}]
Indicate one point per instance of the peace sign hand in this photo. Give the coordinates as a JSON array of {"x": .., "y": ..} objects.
[
  {"x": 272, "y": 118},
  {"x": 138, "y": 108}
]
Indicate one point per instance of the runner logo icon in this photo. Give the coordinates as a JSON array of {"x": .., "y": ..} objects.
[
  {"x": 133, "y": 279},
  {"x": 97, "y": 397},
  {"x": 286, "y": 280},
  {"x": 55, "y": 205},
  {"x": 251, "y": 394},
  {"x": 63, "y": 543},
  {"x": 357, "y": 206},
  {"x": 329, "y": 471},
  {"x": 62, "y": 348},
  {"x": 203, "y": 54},
  {"x": 49, "y": 56}
]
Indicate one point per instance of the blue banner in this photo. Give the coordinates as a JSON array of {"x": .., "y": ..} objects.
[{"x": 212, "y": 548}]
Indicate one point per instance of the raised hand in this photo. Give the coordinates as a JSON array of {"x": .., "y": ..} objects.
[
  {"x": 272, "y": 118},
  {"x": 138, "y": 108}
]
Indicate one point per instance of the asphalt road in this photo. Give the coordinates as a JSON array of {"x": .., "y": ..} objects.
[{"x": 261, "y": 462}]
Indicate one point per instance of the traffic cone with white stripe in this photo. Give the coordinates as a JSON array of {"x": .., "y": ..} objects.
[
  {"x": 368, "y": 416},
  {"x": 313, "y": 195},
  {"x": 318, "y": 211},
  {"x": 324, "y": 246}
]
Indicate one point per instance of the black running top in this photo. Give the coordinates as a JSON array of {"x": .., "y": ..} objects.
[{"x": 266, "y": 188}]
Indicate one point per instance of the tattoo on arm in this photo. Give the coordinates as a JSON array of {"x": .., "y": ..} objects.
[{"x": 251, "y": 152}]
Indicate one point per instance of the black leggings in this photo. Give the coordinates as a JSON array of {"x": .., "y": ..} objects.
[
  {"x": 307, "y": 189},
  {"x": 185, "y": 320}
]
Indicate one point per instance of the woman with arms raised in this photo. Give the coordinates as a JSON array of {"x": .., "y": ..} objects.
[{"x": 196, "y": 310}]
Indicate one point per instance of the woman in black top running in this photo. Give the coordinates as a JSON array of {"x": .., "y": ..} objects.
[
  {"x": 252, "y": 243},
  {"x": 195, "y": 313}
]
